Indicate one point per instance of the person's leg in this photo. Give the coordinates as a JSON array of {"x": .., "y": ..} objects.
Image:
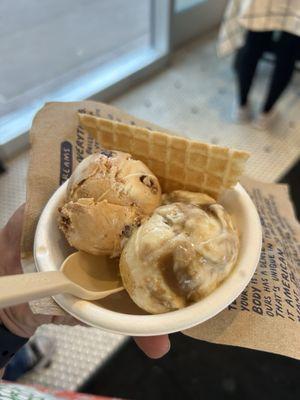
[
  {"x": 246, "y": 62},
  {"x": 284, "y": 67}
]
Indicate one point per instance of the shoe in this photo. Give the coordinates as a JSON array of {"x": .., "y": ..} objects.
[
  {"x": 241, "y": 115},
  {"x": 36, "y": 354},
  {"x": 264, "y": 121},
  {"x": 39, "y": 351}
]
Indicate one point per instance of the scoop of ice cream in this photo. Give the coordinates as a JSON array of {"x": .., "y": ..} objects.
[
  {"x": 108, "y": 195},
  {"x": 181, "y": 254}
]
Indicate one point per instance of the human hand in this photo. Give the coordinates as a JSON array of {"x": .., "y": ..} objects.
[{"x": 20, "y": 320}]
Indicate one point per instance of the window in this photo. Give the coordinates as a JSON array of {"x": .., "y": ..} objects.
[
  {"x": 181, "y": 5},
  {"x": 68, "y": 50}
]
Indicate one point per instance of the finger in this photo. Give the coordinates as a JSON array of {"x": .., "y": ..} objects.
[{"x": 154, "y": 346}]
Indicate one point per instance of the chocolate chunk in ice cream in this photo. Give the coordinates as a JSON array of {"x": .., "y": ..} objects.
[
  {"x": 107, "y": 153},
  {"x": 146, "y": 180}
]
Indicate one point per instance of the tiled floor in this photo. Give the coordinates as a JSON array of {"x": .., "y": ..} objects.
[
  {"x": 78, "y": 352},
  {"x": 193, "y": 96}
]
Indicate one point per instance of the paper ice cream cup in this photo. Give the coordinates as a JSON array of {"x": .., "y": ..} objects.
[{"x": 118, "y": 313}]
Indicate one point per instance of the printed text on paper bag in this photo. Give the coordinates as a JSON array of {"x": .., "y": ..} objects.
[{"x": 273, "y": 291}]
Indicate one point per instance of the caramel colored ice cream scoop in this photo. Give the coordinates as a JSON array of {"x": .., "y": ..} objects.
[
  {"x": 109, "y": 194},
  {"x": 181, "y": 254}
]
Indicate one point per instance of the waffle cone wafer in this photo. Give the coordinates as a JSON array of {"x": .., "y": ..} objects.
[{"x": 179, "y": 163}]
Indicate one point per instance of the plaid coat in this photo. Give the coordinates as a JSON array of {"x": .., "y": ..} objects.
[{"x": 256, "y": 15}]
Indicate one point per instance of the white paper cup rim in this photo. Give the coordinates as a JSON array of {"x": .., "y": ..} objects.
[{"x": 49, "y": 251}]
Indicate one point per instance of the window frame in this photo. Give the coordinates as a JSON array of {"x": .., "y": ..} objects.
[{"x": 116, "y": 76}]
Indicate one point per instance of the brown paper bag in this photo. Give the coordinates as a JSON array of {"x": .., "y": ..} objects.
[{"x": 267, "y": 314}]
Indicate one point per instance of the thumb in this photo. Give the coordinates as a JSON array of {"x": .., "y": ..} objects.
[{"x": 154, "y": 346}]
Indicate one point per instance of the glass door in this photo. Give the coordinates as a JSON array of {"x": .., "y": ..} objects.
[
  {"x": 193, "y": 17},
  {"x": 69, "y": 50}
]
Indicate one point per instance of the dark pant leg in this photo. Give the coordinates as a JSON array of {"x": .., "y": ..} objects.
[
  {"x": 286, "y": 54},
  {"x": 247, "y": 59},
  {"x": 18, "y": 365}
]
